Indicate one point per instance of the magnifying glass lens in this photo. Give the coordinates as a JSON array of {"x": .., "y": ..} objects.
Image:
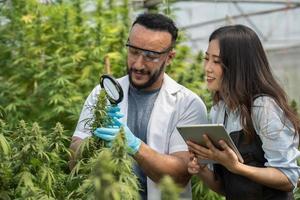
[{"x": 111, "y": 89}]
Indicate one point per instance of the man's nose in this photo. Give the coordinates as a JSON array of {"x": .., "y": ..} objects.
[{"x": 139, "y": 62}]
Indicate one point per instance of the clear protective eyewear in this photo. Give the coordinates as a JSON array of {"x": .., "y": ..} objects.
[{"x": 148, "y": 55}]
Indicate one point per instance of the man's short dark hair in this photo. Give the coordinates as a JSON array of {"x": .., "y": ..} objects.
[{"x": 158, "y": 22}]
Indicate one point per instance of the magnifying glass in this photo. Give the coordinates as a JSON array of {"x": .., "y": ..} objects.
[{"x": 112, "y": 88}]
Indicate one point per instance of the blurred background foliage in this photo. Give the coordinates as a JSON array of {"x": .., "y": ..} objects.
[{"x": 51, "y": 57}]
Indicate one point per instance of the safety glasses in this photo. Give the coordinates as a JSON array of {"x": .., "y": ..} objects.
[{"x": 148, "y": 55}]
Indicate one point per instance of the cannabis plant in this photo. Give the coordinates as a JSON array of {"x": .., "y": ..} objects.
[
  {"x": 100, "y": 119},
  {"x": 5, "y": 165},
  {"x": 124, "y": 168},
  {"x": 123, "y": 183},
  {"x": 169, "y": 190},
  {"x": 201, "y": 191},
  {"x": 50, "y": 53}
]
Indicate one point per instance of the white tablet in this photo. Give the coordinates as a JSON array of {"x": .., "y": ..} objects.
[{"x": 215, "y": 132}]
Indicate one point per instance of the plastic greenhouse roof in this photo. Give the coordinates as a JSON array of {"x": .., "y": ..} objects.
[{"x": 278, "y": 28}]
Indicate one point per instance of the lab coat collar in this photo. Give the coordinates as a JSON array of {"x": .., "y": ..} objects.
[{"x": 170, "y": 85}]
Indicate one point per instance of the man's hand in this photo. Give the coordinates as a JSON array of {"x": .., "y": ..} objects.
[
  {"x": 193, "y": 166},
  {"x": 109, "y": 134},
  {"x": 114, "y": 112}
]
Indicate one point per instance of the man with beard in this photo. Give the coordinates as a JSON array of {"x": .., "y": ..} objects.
[{"x": 153, "y": 105}]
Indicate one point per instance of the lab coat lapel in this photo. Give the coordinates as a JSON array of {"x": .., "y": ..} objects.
[
  {"x": 161, "y": 116},
  {"x": 158, "y": 133},
  {"x": 158, "y": 127}
]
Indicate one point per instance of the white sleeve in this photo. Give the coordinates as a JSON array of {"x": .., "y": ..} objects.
[
  {"x": 280, "y": 143},
  {"x": 193, "y": 112},
  {"x": 82, "y": 129}
]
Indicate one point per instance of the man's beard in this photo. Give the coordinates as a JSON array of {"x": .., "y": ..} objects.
[{"x": 153, "y": 78}]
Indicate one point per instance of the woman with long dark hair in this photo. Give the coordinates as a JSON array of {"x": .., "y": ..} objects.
[{"x": 255, "y": 112}]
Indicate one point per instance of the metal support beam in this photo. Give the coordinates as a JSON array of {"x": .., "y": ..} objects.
[
  {"x": 250, "y": 21},
  {"x": 246, "y": 1},
  {"x": 288, "y": 7},
  {"x": 154, "y": 3}
]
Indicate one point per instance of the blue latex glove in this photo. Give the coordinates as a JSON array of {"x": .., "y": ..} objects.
[
  {"x": 114, "y": 111},
  {"x": 109, "y": 134}
]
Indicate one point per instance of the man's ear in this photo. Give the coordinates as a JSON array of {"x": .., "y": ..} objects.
[{"x": 171, "y": 56}]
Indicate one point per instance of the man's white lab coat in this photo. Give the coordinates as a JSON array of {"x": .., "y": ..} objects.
[{"x": 175, "y": 105}]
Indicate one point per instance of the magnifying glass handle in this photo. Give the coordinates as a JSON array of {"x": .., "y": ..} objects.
[{"x": 107, "y": 65}]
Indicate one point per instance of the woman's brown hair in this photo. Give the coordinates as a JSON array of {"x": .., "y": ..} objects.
[{"x": 247, "y": 74}]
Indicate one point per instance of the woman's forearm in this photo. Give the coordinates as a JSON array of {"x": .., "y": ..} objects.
[{"x": 267, "y": 176}]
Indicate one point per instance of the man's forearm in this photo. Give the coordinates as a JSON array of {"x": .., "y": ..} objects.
[{"x": 157, "y": 165}]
